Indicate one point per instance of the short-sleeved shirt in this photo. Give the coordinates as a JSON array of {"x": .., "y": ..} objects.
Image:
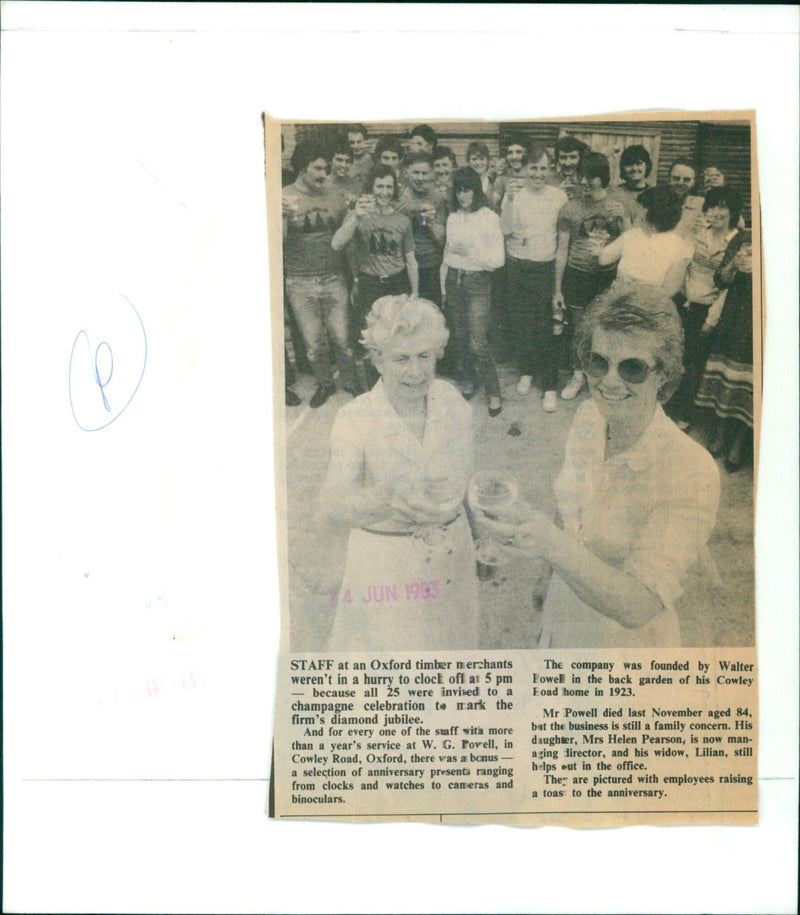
[
  {"x": 412, "y": 204},
  {"x": 585, "y": 220},
  {"x": 382, "y": 243},
  {"x": 529, "y": 222},
  {"x": 708, "y": 253},
  {"x": 649, "y": 258},
  {"x": 647, "y": 511},
  {"x": 307, "y": 247}
]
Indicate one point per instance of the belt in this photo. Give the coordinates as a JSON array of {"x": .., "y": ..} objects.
[
  {"x": 411, "y": 533},
  {"x": 461, "y": 272},
  {"x": 385, "y": 278}
]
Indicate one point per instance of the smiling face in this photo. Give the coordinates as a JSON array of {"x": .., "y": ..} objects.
[
  {"x": 465, "y": 197},
  {"x": 408, "y": 366},
  {"x": 358, "y": 143},
  {"x": 634, "y": 174},
  {"x": 443, "y": 168},
  {"x": 478, "y": 163},
  {"x": 383, "y": 190},
  {"x": 340, "y": 165},
  {"x": 718, "y": 219},
  {"x": 622, "y": 402},
  {"x": 420, "y": 175},
  {"x": 681, "y": 180},
  {"x": 514, "y": 156},
  {"x": 592, "y": 187},
  {"x": 743, "y": 261},
  {"x": 538, "y": 173},
  {"x": 316, "y": 173},
  {"x": 568, "y": 162},
  {"x": 391, "y": 158}
]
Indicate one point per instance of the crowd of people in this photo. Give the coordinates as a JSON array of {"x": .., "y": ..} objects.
[
  {"x": 512, "y": 251},
  {"x": 404, "y": 267}
]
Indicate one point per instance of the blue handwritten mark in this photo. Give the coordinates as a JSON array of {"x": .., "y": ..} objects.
[{"x": 92, "y": 407}]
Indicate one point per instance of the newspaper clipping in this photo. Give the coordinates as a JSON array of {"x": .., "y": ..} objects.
[{"x": 517, "y": 393}]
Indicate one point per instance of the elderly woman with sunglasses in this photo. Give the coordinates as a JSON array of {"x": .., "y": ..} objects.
[{"x": 637, "y": 497}]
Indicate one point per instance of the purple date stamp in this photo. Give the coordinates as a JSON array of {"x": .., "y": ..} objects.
[{"x": 392, "y": 593}]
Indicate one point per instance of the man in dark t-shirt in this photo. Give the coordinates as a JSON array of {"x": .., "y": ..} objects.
[
  {"x": 314, "y": 272},
  {"x": 598, "y": 214},
  {"x": 425, "y": 206},
  {"x": 569, "y": 152}
]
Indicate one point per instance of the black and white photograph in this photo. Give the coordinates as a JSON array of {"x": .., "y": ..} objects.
[{"x": 521, "y": 382}]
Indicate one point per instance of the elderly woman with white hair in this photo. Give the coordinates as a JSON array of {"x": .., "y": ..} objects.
[{"x": 399, "y": 464}]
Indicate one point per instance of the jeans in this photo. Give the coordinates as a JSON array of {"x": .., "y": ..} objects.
[
  {"x": 530, "y": 295},
  {"x": 430, "y": 286},
  {"x": 579, "y": 290},
  {"x": 370, "y": 288},
  {"x": 468, "y": 300},
  {"x": 320, "y": 308}
]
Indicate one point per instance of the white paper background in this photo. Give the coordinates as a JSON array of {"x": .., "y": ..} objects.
[{"x": 140, "y": 595}]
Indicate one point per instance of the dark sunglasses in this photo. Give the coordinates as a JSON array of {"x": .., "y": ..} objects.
[{"x": 634, "y": 371}]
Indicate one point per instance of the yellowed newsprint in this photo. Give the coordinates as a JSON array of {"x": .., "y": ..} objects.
[{"x": 517, "y": 394}]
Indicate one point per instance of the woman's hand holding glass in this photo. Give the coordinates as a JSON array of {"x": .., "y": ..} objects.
[
  {"x": 433, "y": 498},
  {"x": 430, "y": 504},
  {"x": 492, "y": 495},
  {"x": 523, "y": 532}
]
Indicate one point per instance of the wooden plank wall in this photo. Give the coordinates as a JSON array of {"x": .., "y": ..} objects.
[{"x": 726, "y": 145}]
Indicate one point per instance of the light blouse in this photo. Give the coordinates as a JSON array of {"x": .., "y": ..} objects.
[
  {"x": 647, "y": 511},
  {"x": 480, "y": 233}
]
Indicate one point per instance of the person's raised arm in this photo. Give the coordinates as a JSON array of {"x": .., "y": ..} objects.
[
  {"x": 608, "y": 589},
  {"x": 437, "y": 223},
  {"x": 347, "y": 229},
  {"x": 345, "y": 232},
  {"x": 412, "y": 270},
  {"x": 344, "y": 499}
]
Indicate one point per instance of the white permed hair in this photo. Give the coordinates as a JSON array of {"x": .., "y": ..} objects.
[{"x": 402, "y": 315}]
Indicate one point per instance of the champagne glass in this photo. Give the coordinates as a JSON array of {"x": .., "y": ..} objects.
[{"x": 490, "y": 492}]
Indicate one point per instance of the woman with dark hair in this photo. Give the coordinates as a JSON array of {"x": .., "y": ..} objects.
[
  {"x": 727, "y": 384},
  {"x": 478, "y": 161},
  {"x": 474, "y": 248},
  {"x": 383, "y": 245},
  {"x": 701, "y": 302},
  {"x": 637, "y": 498},
  {"x": 389, "y": 151},
  {"x": 651, "y": 252},
  {"x": 635, "y": 166}
]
